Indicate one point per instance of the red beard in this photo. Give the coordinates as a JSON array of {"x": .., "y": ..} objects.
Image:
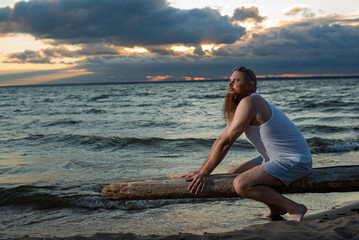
[{"x": 231, "y": 102}]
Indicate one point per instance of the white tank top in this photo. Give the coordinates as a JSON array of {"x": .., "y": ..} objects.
[{"x": 279, "y": 139}]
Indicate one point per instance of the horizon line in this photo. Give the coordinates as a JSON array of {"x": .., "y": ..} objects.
[{"x": 259, "y": 77}]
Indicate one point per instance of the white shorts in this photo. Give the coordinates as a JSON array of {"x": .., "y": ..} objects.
[{"x": 283, "y": 169}]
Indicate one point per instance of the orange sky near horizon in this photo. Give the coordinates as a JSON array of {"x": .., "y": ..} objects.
[{"x": 266, "y": 40}]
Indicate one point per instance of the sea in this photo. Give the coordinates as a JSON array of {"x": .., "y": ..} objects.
[{"x": 60, "y": 145}]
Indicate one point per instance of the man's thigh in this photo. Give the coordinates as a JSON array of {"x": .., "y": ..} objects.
[
  {"x": 258, "y": 176},
  {"x": 242, "y": 168}
]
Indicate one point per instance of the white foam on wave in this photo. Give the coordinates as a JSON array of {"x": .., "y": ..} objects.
[{"x": 98, "y": 202}]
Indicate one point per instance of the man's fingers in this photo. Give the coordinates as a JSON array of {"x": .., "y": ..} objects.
[
  {"x": 191, "y": 184},
  {"x": 194, "y": 184},
  {"x": 189, "y": 177},
  {"x": 198, "y": 188},
  {"x": 203, "y": 185}
]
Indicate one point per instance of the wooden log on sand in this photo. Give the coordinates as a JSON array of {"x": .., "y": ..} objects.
[{"x": 320, "y": 180}]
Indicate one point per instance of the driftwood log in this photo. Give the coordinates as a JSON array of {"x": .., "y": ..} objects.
[{"x": 320, "y": 180}]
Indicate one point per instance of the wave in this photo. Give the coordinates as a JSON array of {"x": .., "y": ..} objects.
[
  {"x": 48, "y": 100},
  {"x": 207, "y": 96},
  {"x": 41, "y": 198},
  {"x": 31, "y": 196},
  {"x": 62, "y": 122},
  {"x": 115, "y": 142},
  {"x": 183, "y": 104},
  {"x": 100, "y": 97},
  {"x": 323, "y": 145},
  {"x": 94, "y": 111},
  {"x": 327, "y": 128},
  {"x": 327, "y": 104},
  {"x": 99, "y": 143}
]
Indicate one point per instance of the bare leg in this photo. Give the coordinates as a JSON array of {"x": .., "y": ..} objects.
[
  {"x": 242, "y": 168},
  {"x": 274, "y": 211},
  {"x": 257, "y": 184}
]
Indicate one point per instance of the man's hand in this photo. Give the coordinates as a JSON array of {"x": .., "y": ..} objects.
[
  {"x": 198, "y": 181},
  {"x": 189, "y": 176}
]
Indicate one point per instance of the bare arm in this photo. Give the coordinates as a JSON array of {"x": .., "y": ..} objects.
[
  {"x": 189, "y": 176},
  {"x": 244, "y": 114}
]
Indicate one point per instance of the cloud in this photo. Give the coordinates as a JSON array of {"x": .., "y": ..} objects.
[
  {"x": 243, "y": 14},
  {"x": 100, "y": 32},
  {"x": 28, "y": 56},
  {"x": 125, "y": 22},
  {"x": 129, "y": 68},
  {"x": 298, "y": 48},
  {"x": 314, "y": 46},
  {"x": 5, "y": 13},
  {"x": 301, "y": 47},
  {"x": 306, "y": 11},
  {"x": 55, "y": 54},
  {"x": 6, "y": 26}
]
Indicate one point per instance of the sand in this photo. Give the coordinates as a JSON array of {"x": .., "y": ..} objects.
[{"x": 338, "y": 223}]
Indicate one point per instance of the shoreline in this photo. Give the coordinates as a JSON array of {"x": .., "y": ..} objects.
[{"x": 336, "y": 223}]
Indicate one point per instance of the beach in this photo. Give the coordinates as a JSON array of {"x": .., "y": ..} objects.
[
  {"x": 60, "y": 145},
  {"x": 337, "y": 223}
]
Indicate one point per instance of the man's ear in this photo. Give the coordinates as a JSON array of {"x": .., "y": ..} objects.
[{"x": 251, "y": 83}]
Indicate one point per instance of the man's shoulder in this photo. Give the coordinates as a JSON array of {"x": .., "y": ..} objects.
[{"x": 251, "y": 100}]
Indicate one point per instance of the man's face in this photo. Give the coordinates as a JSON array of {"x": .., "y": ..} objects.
[
  {"x": 238, "y": 88},
  {"x": 238, "y": 83}
]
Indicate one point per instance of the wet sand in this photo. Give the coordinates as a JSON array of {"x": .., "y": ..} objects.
[{"x": 338, "y": 223}]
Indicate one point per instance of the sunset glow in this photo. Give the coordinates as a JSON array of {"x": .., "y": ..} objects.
[
  {"x": 182, "y": 49},
  {"x": 196, "y": 78},
  {"x": 203, "y": 39},
  {"x": 158, "y": 78},
  {"x": 136, "y": 50},
  {"x": 61, "y": 74}
]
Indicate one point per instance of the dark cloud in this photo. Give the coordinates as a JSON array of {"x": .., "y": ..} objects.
[
  {"x": 6, "y": 25},
  {"x": 301, "y": 48},
  {"x": 125, "y": 22},
  {"x": 243, "y": 14},
  {"x": 28, "y": 56},
  {"x": 298, "y": 48},
  {"x": 5, "y": 14},
  {"x": 325, "y": 41},
  {"x": 134, "y": 69},
  {"x": 309, "y": 46},
  {"x": 50, "y": 55}
]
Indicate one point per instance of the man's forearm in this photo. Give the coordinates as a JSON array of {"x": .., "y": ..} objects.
[
  {"x": 208, "y": 157},
  {"x": 219, "y": 150}
]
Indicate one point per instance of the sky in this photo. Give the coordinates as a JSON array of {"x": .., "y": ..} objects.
[{"x": 99, "y": 41}]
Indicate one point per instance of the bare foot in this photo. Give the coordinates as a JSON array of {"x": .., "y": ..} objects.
[
  {"x": 298, "y": 213},
  {"x": 275, "y": 211}
]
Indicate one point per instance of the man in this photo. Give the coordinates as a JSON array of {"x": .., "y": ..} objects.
[{"x": 284, "y": 153}]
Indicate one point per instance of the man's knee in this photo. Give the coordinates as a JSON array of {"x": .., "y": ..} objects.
[{"x": 241, "y": 186}]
